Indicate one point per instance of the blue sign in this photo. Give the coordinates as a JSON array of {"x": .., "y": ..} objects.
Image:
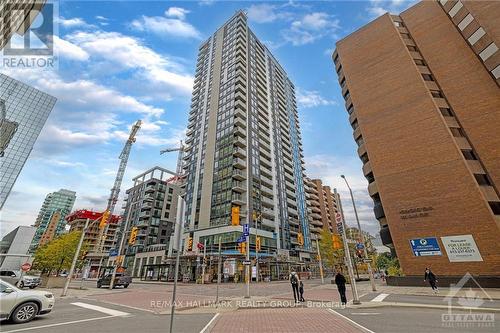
[
  {"x": 113, "y": 252},
  {"x": 360, "y": 246},
  {"x": 246, "y": 229},
  {"x": 242, "y": 239},
  {"x": 425, "y": 247}
]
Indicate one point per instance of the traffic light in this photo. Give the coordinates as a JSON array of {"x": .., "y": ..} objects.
[
  {"x": 300, "y": 239},
  {"x": 190, "y": 244},
  {"x": 257, "y": 243},
  {"x": 243, "y": 248},
  {"x": 235, "y": 215},
  {"x": 336, "y": 242},
  {"x": 104, "y": 219},
  {"x": 133, "y": 235}
]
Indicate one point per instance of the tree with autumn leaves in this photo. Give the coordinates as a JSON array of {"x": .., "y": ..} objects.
[
  {"x": 57, "y": 255},
  {"x": 331, "y": 257}
]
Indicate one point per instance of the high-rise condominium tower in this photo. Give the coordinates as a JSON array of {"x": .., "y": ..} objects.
[
  {"x": 51, "y": 221},
  {"x": 423, "y": 96},
  {"x": 245, "y": 152}
]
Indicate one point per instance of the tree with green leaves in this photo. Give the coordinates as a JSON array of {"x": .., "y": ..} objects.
[{"x": 57, "y": 255}]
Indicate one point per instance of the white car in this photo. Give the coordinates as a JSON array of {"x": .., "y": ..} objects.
[{"x": 21, "y": 306}]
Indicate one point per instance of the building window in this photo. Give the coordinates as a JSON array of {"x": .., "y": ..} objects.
[
  {"x": 355, "y": 124},
  {"x": 350, "y": 109},
  {"x": 405, "y": 35},
  {"x": 419, "y": 62},
  {"x": 495, "y": 207},
  {"x": 412, "y": 48},
  {"x": 428, "y": 77},
  {"x": 347, "y": 94},
  {"x": 469, "y": 154},
  {"x": 360, "y": 141},
  {"x": 370, "y": 177},
  {"x": 437, "y": 94},
  {"x": 399, "y": 24},
  {"x": 336, "y": 59},
  {"x": 364, "y": 158},
  {"x": 482, "y": 179},
  {"x": 457, "y": 132},
  {"x": 446, "y": 112}
]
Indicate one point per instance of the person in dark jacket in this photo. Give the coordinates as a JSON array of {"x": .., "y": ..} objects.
[
  {"x": 294, "y": 281},
  {"x": 301, "y": 291},
  {"x": 431, "y": 277},
  {"x": 340, "y": 281}
]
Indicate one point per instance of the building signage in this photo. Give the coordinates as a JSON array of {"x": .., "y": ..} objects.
[
  {"x": 425, "y": 247},
  {"x": 246, "y": 229},
  {"x": 412, "y": 213},
  {"x": 461, "y": 248}
]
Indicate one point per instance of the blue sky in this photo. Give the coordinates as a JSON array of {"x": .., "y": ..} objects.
[{"x": 120, "y": 61}]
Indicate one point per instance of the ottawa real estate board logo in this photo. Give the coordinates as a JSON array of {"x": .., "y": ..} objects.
[
  {"x": 463, "y": 303},
  {"x": 28, "y": 34}
]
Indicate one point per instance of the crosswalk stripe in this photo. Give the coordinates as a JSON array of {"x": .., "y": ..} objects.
[
  {"x": 108, "y": 311},
  {"x": 380, "y": 298}
]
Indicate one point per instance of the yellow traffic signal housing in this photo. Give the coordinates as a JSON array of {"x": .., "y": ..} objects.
[
  {"x": 243, "y": 248},
  {"x": 300, "y": 239},
  {"x": 190, "y": 244},
  {"x": 235, "y": 215},
  {"x": 133, "y": 235},
  {"x": 104, "y": 219},
  {"x": 257, "y": 243}
]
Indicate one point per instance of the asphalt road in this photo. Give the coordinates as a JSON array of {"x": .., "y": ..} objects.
[
  {"x": 77, "y": 315},
  {"x": 397, "y": 320}
]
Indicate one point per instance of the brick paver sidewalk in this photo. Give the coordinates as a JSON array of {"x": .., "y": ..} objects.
[{"x": 289, "y": 320}]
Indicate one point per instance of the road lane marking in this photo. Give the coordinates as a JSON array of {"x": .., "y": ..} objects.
[
  {"x": 57, "y": 324},
  {"x": 380, "y": 298},
  {"x": 365, "y": 313},
  {"x": 111, "y": 312},
  {"x": 351, "y": 321},
  {"x": 209, "y": 323}
]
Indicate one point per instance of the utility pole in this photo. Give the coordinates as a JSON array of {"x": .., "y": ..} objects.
[
  {"x": 181, "y": 204},
  {"x": 204, "y": 264},
  {"x": 362, "y": 237},
  {"x": 75, "y": 258},
  {"x": 320, "y": 263},
  {"x": 355, "y": 296},
  {"x": 218, "y": 271}
]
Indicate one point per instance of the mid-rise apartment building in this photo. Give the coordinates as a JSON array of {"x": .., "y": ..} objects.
[
  {"x": 423, "y": 98},
  {"x": 51, "y": 220},
  {"x": 151, "y": 206},
  {"x": 322, "y": 206},
  {"x": 244, "y": 147}
]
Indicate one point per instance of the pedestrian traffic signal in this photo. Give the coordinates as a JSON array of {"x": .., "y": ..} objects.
[
  {"x": 336, "y": 242},
  {"x": 243, "y": 248},
  {"x": 190, "y": 244},
  {"x": 257, "y": 243},
  {"x": 235, "y": 215},
  {"x": 133, "y": 235},
  {"x": 300, "y": 239},
  {"x": 104, "y": 219}
]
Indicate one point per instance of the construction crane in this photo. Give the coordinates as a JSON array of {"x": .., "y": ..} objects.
[
  {"x": 115, "y": 190},
  {"x": 181, "y": 149}
]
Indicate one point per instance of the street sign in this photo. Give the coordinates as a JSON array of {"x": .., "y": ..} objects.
[
  {"x": 338, "y": 217},
  {"x": 113, "y": 252},
  {"x": 242, "y": 239},
  {"x": 367, "y": 260},
  {"x": 246, "y": 229},
  {"x": 247, "y": 262},
  {"x": 26, "y": 267},
  {"x": 360, "y": 246},
  {"x": 425, "y": 247}
]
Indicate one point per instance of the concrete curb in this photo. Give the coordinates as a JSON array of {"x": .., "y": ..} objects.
[{"x": 369, "y": 305}]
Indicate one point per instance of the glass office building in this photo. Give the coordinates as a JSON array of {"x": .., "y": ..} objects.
[{"x": 23, "y": 112}]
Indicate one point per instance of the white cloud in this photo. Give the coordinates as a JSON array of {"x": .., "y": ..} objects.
[
  {"x": 67, "y": 50},
  {"x": 101, "y": 18},
  {"x": 311, "y": 27},
  {"x": 266, "y": 13},
  {"x": 206, "y": 2},
  {"x": 129, "y": 53},
  {"x": 378, "y": 8},
  {"x": 72, "y": 22},
  {"x": 311, "y": 99},
  {"x": 173, "y": 24}
]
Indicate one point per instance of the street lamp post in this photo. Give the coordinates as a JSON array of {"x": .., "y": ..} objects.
[
  {"x": 362, "y": 237},
  {"x": 75, "y": 258}
]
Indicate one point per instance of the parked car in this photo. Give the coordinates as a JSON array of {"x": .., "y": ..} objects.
[
  {"x": 14, "y": 277},
  {"x": 120, "y": 280},
  {"x": 21, "y": 306}
]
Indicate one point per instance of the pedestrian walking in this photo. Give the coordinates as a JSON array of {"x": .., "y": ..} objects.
[
  {"x": 301, "y": 291},
  {"x": 340, "y": 281},
  {"x": 431, "y": 277},
  {"x": 294, "y": 281}
]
